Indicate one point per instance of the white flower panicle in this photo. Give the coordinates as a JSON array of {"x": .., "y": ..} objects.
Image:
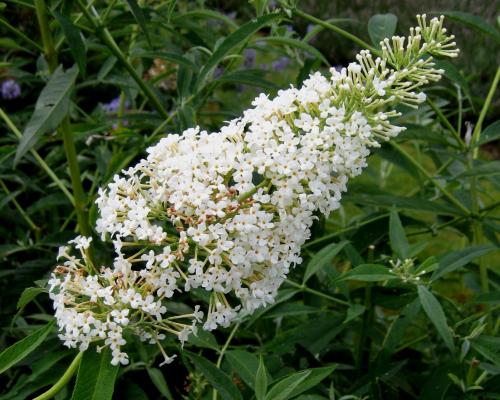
[
  {"x": 228, "y": 212},
  {"x": 101, "y": 305}
]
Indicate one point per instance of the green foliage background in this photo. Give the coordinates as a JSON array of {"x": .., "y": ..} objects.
[{"x": 351, "y": 322}]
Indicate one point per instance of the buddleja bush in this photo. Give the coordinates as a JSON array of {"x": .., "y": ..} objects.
[{"x": 214, "y": 230}]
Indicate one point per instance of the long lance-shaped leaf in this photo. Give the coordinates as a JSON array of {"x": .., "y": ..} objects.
[
  {"x": 75, "y": 41},
  {"x": 300, "y": 44},
  {"x": 218, "y": 379},
  {"x": 50, "y": 109},
  {"x": 21, "y": 349},
  {"x": 234, "y": 39},
  {"x": 139, "y": 17},
  {"x": 436, "y": 314},
  {"x": 96, "y": 376}
]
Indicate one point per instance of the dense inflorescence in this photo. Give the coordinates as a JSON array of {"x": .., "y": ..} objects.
[{"x": 228, "y": 211}]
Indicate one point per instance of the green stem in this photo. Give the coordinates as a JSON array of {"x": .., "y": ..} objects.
[
  {"x": 160, "y": 127},
  {"x": 65, "y": 128},
  {"x": 435, "y": 182},
  {"x": 104, "y": 34},
  {"x": 63, "y": 380},
  {"x": 76, "y": 21},
  {"x": 447, "y": 123},
  {"x": 442, "y": 168},
  {"x": 76, "y": 182},
  {"x": 460, "y": 110},
  {"x": 317, "y": 293},
  {"x": 39, "y": 159},
  {"x": 222, "y": 352},
  {"x": 333, "y": 28},
  {"x": 477, "y": 129},
  {"x": 19, "y": 208},
  {"x": 48, "y": 43},
  {"x": 17, "y": 32},
  {"x": 363, "y": 354},
  {"x": 250, "y": 193},
  {"x": 476, "y": 227}
]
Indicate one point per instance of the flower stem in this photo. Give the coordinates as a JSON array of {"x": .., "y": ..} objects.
[
  {"x": 222, "y": 352},
  {"x": 74, "y": 172},
  {"x": 65, "y": 128},
  {"x": 17, "y": 32},
  {"x": 19, "y": 208},
  {"x": 333, "y": 28},
  {"x": 477, "y": 129},
  {"x": 63, "y": 380},
  {"x": 447, "y": 123},
  {"x": 48, "y": 43},
  {"x": 435, "y": 182},
  {"x": 316, "y": 293},
  {"x": 476, "y": 226}
]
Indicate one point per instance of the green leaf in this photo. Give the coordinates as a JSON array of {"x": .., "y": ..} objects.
[
  {"x": 454, "y": 75},
  {"x": 405, "y": 203},
  {"x": 75, "y": 41},
  {"x": 316, "y": 376},
  {"x": 368, "y": 273},
  {"x": 21, "y": 349},
  {"x": 245, "y": 364},
  {"x": 490, "y": 297},
  {"x": 291, "y": 309},
  {"x": 159, "y": 381},
  {"x": 298, "y": 383},
  {"x": 353, "y": 312},
  {"x": 322, "y": 259},
  {"x": 218, "y": 379},
  {"x": 486, "y": 168},
  {"x": 205, "y": 14},
  {"x": 139, "y": 17},
  {"x": 29, "y": 295},
  {"x": 51, "y": 107},
  {"x": 456, "y": 259},
  {"x": 430, "y": 264},
  {"x": 398, "y": 327},
  {"x": 261, "y": 380},
  {"x": 287, "y": 41},
  {"x": 475, "y": 22},
  {"x": 283, "y": 295},
  {"x": 235, "y": 39},
  {"x": 436, "y": 314},
  {"x": 381, "y": 26},
  {"x": 397, "y": 235},
  {"x": 283, "y": 389},
  {"x": 486, "y": 352},
  {"x": 489, "y": 134},
  {"x": 96, "y": 376},
  {"x": 204, "y": 339}
]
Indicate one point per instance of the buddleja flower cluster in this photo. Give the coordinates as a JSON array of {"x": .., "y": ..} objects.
[{"x": 228, "y": 212}]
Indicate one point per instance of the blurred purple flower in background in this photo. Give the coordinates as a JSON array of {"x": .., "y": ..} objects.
[
  {"x": 310, "y": 27},
  {"x": 114, "y": 105},
  {"x": 115, "y": 125},
  {"x": 249, "y": 55},
  {"x": 218, "y": 72},
  {"x": 10, "y": 89},
  {"x": 281, "y": 63}
]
